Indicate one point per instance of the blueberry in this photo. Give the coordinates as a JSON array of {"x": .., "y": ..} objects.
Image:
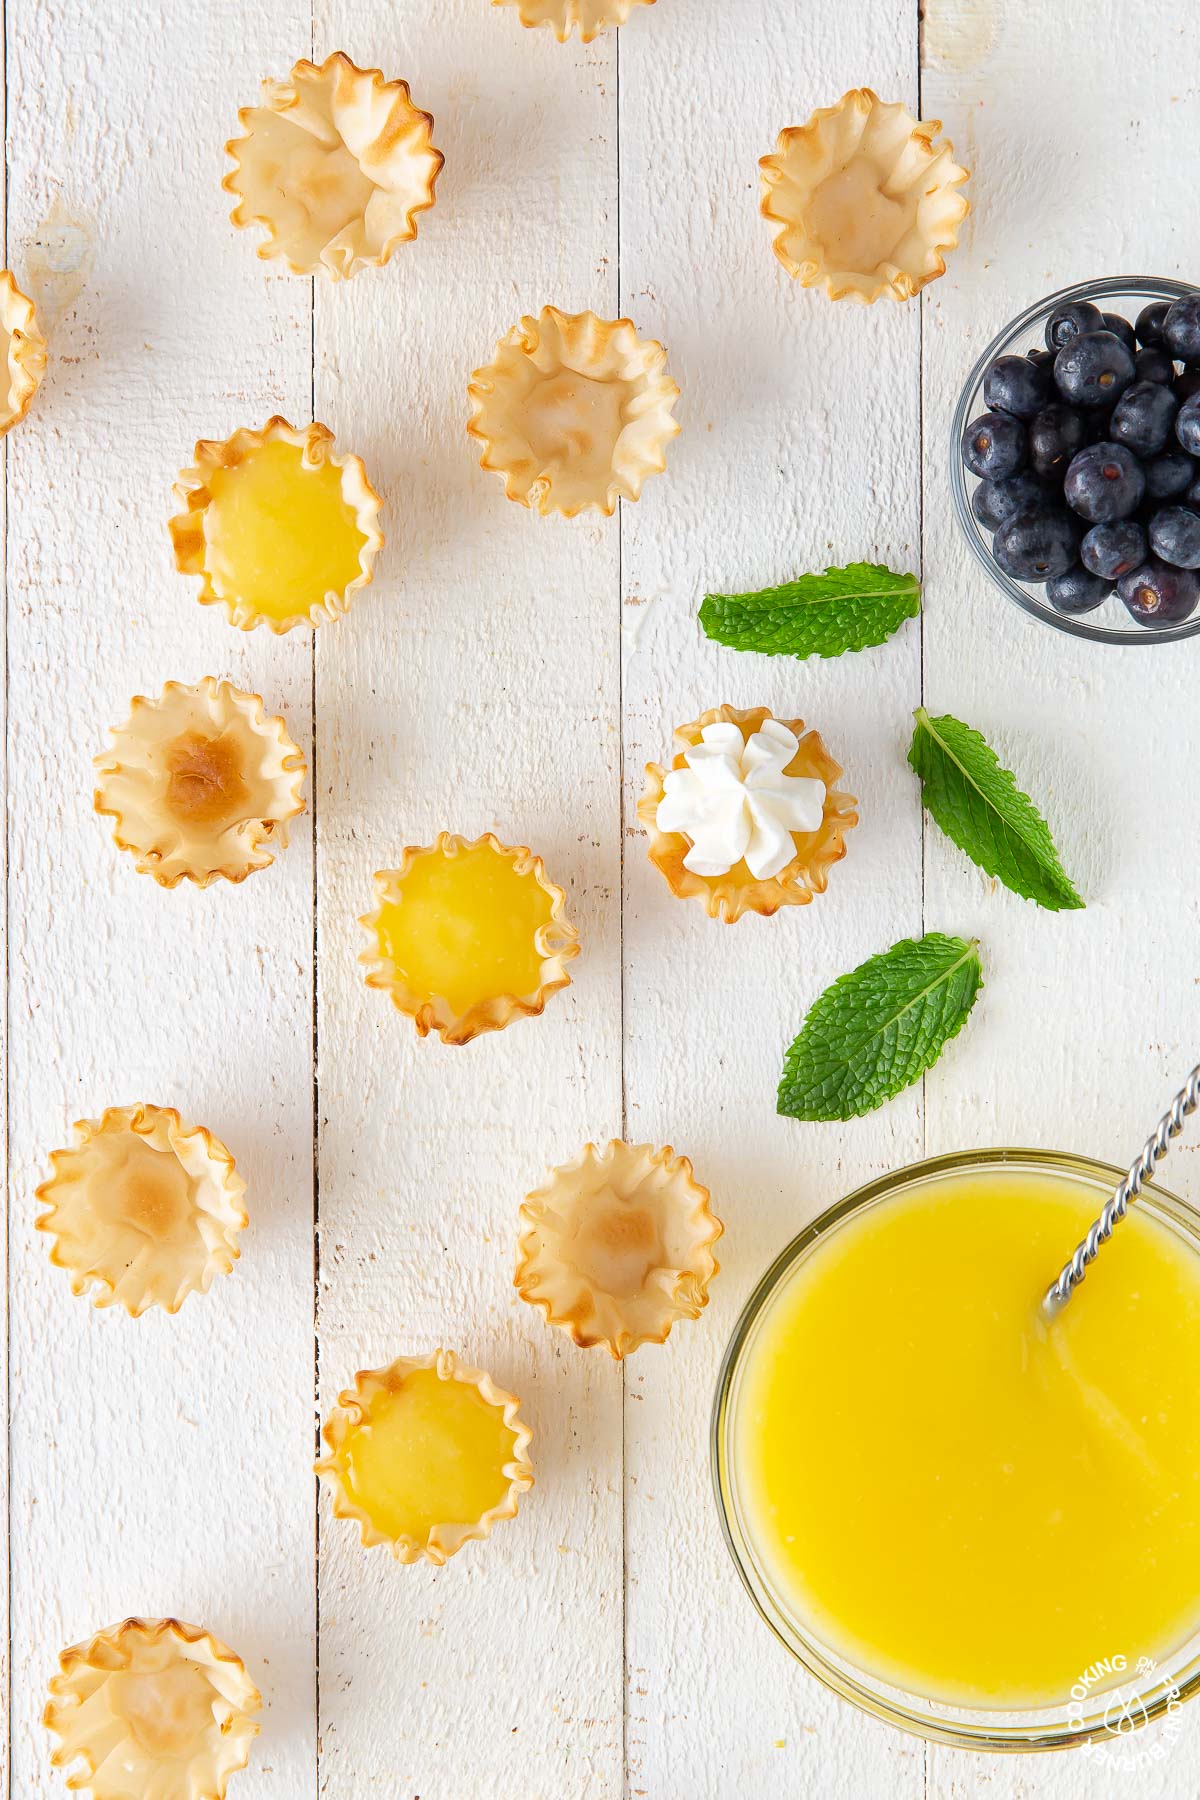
[
  {"x": 1192, "y": 496},
  {"x": 1181, "y": 328},
  {"x": 1041, "y": 359},
  {"x": 995, "y": 501},
  {"x": 993, "y": 446},
  {"x": 1077, "y": 591},
  {"x": 1186, "y": 383},
  {"x": 1175, "y": 537},
  {"x": 1168, "y": 475},
  {"x": 1143, "y": 417},
  {"x": 1015, "y": 385},
  {"x": 1187, "y": 425},
  {"x": 1153, "y": 364},
  {"x": 1104, "y": 482},
  {"x": 1093, "y": 369},
  {"x": 1120, "y": 328},
  {"x": 1066, "y": 322},
  {"x": 1158, "y": 595},
  {"x": 1150, "y": 322},
  {"x": 1035, "y": 546},
  {"x": 1110, "y": 551},
  {"x": 1055, "y": 434}
]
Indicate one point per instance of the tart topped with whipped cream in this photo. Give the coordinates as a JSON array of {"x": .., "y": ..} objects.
[
  {"x": 562, "y": 16},
  {"x": 425, "y": 1455},
  {"x": 24, "y": 350},
  {"x": 466, "y": 937},
  {"x": 749, "y": 817}
]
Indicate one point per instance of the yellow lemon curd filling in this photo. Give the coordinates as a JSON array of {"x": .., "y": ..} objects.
[
  {"x": 279, "y": 534},
  {"x": 466, "y": 928},
  {"x": 428, "y": 1452},
  {"x": 956, "y": 1495}
]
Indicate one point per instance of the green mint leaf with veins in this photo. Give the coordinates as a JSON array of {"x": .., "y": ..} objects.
[
  {"x": 877, "y": 1029},
  {"x": 815, "y": 615},
  {"x": 977, "y": 803}
]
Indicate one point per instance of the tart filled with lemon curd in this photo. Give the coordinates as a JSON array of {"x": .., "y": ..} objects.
[
  {"x": 334, "y": 165},
  {"x": 425, "y": 1455},
  {"x": 749, "y": 817},
  {"x": 143, "y": 1208},
  {"x": 201, "y": 784},
  {"x": 562, "y": 16},
  {"x": 281, "y": 530},
  {"x": 466, "y": 937},
  {"x": 617, "y": 1246},
  {"x": 152, "y": 1708},
  {"x": 866, "y": 201},
  {"x": 573, "y": 411},
  {"x": 24, "y": 352}
]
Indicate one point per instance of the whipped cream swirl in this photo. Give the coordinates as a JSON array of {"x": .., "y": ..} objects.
[{"x": 733, "y": 800}]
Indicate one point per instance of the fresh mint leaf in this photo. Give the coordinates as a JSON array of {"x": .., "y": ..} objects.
[
  {"x": 815, "y": 615},
  {"x": 978, "y": 804},
  {"x": 877, "y": 1030}
]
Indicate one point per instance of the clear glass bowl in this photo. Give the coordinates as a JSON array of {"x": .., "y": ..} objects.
[
  {"x": 1077, "y": 1720},
  {"x": 1110, "y": 623}
]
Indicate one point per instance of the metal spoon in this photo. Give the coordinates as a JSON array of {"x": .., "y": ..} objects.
[{"x": 1139, "y": 1172}]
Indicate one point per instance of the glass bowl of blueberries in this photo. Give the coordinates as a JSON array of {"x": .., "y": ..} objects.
[{"x": 1075, "y": 460}]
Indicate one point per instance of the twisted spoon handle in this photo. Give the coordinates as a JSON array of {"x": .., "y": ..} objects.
[{"x": 1139, "y": 1172}]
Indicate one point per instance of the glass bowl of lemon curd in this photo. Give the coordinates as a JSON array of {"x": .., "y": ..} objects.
[{"x": 975, "y": 1523}]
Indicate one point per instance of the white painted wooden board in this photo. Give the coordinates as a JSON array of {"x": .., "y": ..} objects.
[{"x": 501, "y": 674}]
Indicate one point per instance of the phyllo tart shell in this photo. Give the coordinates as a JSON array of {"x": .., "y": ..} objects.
[
  {"x": 335, "y": 165},
  {"x": 562, "y": 16},
  {"x": 143, "y": 1208},
  {"x": 199, "y": 783},
  {"x": 458, "y": 1018},
  {"x": 617, "y": 1246},
  {"x": 190, "y": 529},
  {"x": 24, "y": 352},
  {"x": 730, "y": 895},
  {"x": 152, "y": 1708},
  {"x": 865, "y": 200},
  {"x": 573, "y": 411},
  {"x": 364, "y": 1407}
]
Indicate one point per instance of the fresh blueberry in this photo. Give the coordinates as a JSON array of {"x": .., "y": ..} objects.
[
  {"x": 1110, "y": 551},
  {"x": 995, "y": 501},
  {"x": 1175, "y": 537},
  {"x": 1035, "y": 546},
  {"x": 1192, "y": 495},
  {"x": 1143, "y": 417},
  {"x": 1093, "y": 369},
  {"x": 1055, "y": 434},
  {"x": 1120, "y": 328},
  {"x": 1104, "y": 482},
  {"x": 1015, "y": 385},
  {"x": 1187, "y": 425},
  {"x": 1041, "y": 359},
  {"x": 1168, "y": 475},
  {"x": 993, "y": 446},
  {"x": 1186, "y": 383},
  {"x": 1149, "y": 326},
  {"x": 1066, "y": 322},
  {"x": 1181, "y": 329},
  {"x": 1078, "y": 591},
  {"x": 1153, "y": 364},
  {"x": 1158, "y": 595}
]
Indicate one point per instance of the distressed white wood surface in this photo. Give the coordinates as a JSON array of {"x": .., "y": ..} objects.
[{"x": 500, "y": 674}]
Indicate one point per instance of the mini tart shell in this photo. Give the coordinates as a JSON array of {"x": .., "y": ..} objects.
[
  {"x": 904, "y": 154},
  {"x": 668, "y": 1198},
  {"x": 339, "y": 108},
  {"x": 24, "y": 351},
  {"x": 559, "y": 945},
  {"x": 807, "y": 873},
  {"x": 89, "y": 1731},
  {"x": 132, "y": 784},
  {"x": 606, "y": 351},
  {"x": 89, "y": 1245},
  {"x": 193, "y": 492},
  {"x": 443, "y": 1540},
  {"x": 591, "y": 16}
]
